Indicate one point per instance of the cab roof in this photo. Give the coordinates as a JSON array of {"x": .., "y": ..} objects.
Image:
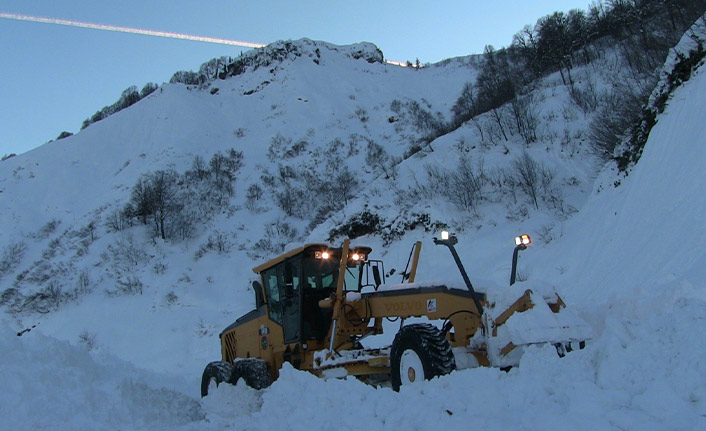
[{"x": 295, "y": 251}]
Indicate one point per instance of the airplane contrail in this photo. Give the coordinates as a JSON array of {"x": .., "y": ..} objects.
[
  {"x": 130, "y": 30},
  {"x": 134, "y": 30}
]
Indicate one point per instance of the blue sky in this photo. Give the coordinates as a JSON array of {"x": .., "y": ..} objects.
[{"x": 52, "y": 77}]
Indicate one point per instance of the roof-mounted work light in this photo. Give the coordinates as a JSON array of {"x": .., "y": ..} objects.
[
  {"x": 523, "y": 240},
  {"x": 450, "y": 241},
  {"x": 357, "y": 257},
  {"x": 446, "y": 238},
  {"x": 521, "y": 243}
]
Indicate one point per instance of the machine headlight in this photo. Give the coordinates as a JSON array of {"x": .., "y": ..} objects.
[
  {"x": 523, "y": 240},
  {"x": 322, "y": 255}
]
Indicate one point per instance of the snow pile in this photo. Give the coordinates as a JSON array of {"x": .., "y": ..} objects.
[
  {"x": 635, "y": 376},
  {"x": 425, "y": 284},
  {"x": 324, "y": 359},
  {"x": 644, "y": 376},
  {"x": 50, "y": 384},
  {"x": 630, "y": 241},
  {"x": 540, "y": 325}
]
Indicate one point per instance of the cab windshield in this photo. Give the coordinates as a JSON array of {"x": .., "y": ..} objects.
[{"x": 322, "y": 274}]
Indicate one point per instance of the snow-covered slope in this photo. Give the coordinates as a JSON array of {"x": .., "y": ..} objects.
[
  {"x": 647, "y": 232},
  {"x": 58, "y": 198},
  {"x": 296, "y": 97},
  {"x": 629, "y": 262}
]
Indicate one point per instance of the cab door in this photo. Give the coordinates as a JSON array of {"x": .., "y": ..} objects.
[
  {"x": 283, "y": 291},
  {"x": 291, "y": 304}
]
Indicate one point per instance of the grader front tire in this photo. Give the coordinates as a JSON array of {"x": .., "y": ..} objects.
[{"x": 419, "y": 352}]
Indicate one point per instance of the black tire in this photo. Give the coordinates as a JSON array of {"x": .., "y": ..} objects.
[
  {"x": 217, "y": 371},
  {"x": 420, "y": 349},
  {"x": 253, "y": 372}
]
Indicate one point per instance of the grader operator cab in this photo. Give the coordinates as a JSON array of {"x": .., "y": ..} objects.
[{"x": 315, "y": 305}]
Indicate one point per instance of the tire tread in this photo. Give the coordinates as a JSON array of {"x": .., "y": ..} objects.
[{"x": 429, "y": 343}]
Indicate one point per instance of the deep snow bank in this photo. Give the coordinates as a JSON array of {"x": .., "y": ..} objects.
[
  {"x": 619, "y": 382},
  {"x": 51, "y": 384},
  {"x": 648, "y": 232}
]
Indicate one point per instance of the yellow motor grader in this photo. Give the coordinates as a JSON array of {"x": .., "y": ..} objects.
[{"x": 315, "y": 305}]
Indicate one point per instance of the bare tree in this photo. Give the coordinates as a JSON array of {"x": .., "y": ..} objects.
[
  {"x": 199, "y": 168},
  {"x": 467, "y": 184},
  {"x": 462, "y": 186},
  {"x": 466, "y": 106},
  {"x": 344, "y": 184},
  {"x": 141, "y": 200},
  {"x": 527, "y": 176},
  {"x": 253, "y": 194},
  {"x": 378, "y": 159},
  {"x": 163, "y": 185},
  {"x": 12, "y": 255},
  {"x": 526, "y": 117}
]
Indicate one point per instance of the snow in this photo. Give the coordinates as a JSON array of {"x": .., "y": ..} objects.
[
  {"x": 631, "y": 263},
  {"x": 540, "y": 324},
  {"x": 353, "y": 296},
  {"x": 51, "y": 384},
  {"x": 689, "y": 42},
  {"x": 324, "y": 359},
  {"x": 426, "y": 284}
]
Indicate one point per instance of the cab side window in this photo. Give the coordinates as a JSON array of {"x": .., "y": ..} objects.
[
  {"x": 272, "y": 292},
  {"x": 291, "y": 300}
]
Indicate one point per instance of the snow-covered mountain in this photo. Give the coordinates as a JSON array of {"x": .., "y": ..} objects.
[{"x": 126, "y": 320}]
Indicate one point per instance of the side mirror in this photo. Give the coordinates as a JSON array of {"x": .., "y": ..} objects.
[
  {"x": 259, "y": 298},
  {"x": 376, "y": 276}
]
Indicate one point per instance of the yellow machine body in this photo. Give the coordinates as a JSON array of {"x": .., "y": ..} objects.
[{"x": 317, "y": 303}]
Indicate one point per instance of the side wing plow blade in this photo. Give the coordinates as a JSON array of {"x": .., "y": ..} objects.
[{"x": 539, "y": 316}]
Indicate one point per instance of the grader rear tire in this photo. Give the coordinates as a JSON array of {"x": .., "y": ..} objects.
[
  {"x": 419, "y": 352},
  {"x": 218, "y": 372}
]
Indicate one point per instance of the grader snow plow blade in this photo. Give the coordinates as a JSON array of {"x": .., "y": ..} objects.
[
  {"x": 538, "y": 316},
  {"x": 515, "y": 318}
]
